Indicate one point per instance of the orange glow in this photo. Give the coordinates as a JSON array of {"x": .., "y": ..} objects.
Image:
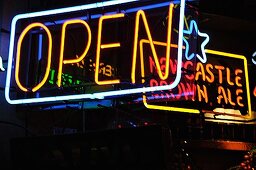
[
  {"x": 254, "y": 91},
  {"x": 230, "y": 99},
  {"x": 62, "y": 46},
  {"x": 163, "y": 82},
  {"x": 17, "y": 65},
  {"x": 238, "y": 79},
  {"x": 186, "y": 64},
  {"x": 228, "y": 77},
  {"x": 202, "y": 94},
  {"x": 141, "y": 14},
  {"x": 220, "y": 68},
  {"x": 104, "y": 46},
  {"x": 142, "y": 66},
  {"x": 226, "y": 95},
  {"x": 210, "y": 79},
  {"x": 222, "y": 95},
  {"x": 200, "y": 71},
  {"x": 239, "y": 98}
]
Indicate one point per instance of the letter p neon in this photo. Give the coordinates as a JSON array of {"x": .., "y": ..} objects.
[{"x": 62, "y": 45}]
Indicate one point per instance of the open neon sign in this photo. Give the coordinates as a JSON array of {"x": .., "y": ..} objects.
[{"x": 140, "y": 19}]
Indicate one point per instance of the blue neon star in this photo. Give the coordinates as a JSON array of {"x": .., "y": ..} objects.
[{"x": 194, "y": 27}]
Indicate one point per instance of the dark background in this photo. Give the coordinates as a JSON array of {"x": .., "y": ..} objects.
[{"x": 230, "y": 24}]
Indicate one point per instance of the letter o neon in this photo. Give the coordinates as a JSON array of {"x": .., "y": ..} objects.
[{"x": 17, "y": 65}]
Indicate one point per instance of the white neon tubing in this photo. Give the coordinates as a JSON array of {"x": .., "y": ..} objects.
[
  {"x": 180, "y": 44},
  {"x": 99, "y": 95},
  {"x": 46, "y": 13},
  {"x": 131, "y": 10},
  {"x": 254, "y": 55},
  {"x": 1, "y": 64}
]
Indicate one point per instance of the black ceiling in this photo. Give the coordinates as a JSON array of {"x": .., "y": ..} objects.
[{"x": 242, "y": 9}]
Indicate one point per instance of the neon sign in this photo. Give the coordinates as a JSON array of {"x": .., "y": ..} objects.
[
  {"x": 231, "y": 82},
  {"x": 216, "y": 85},
  {"x": 193, "y": 27},
  {"x": 141, "y": 21},
  {"x": 1, "y": 64}
]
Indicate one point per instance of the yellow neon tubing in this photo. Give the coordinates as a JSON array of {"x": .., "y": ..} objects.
[
  {"x": 62, "y": 46},
  {"x": 228, "y": 77},
  {"x": 143, "y": 16},
  {"x": 168, "y": 108},
  {"x": 142, "y": 41},
  {"x": 17, "y": 65},
  {"x": 245, "y": 69},
  {"x": 158, "y": 107},
  {"x": 104, "y": 46}
]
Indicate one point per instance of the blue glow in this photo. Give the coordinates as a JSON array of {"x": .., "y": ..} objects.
[
  {"x": 148, "y": 7},
  {"x": 94, "y": 104},
  {"x": 132, "y": 124},
  {"x": 99, "y": 95},
  {"x": 40, "y": 45},
  {"x": 131, "y": 10},
  {"x": 73, "y": 9},
  {"x": 39, "y": 54},
  {"x": 44, "y": 13},
  {"x": 193, "y": 27},
  {"x": 58, "y": 22},
  {"x": 165, "y": 97},
  {"x": 65, "y": 106}
]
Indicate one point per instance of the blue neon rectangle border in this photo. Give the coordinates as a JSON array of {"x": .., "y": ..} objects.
[{"x": 99, "y": 95}]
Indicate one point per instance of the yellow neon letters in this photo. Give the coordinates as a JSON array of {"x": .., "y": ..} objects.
[
  {"x": 100, "y": 46},
  {"x": 104, "y": 46},
  {"x": 62, "y": 45},
  {"x": 17, "y": 65},
  {"x": 141, "y": 14}
]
